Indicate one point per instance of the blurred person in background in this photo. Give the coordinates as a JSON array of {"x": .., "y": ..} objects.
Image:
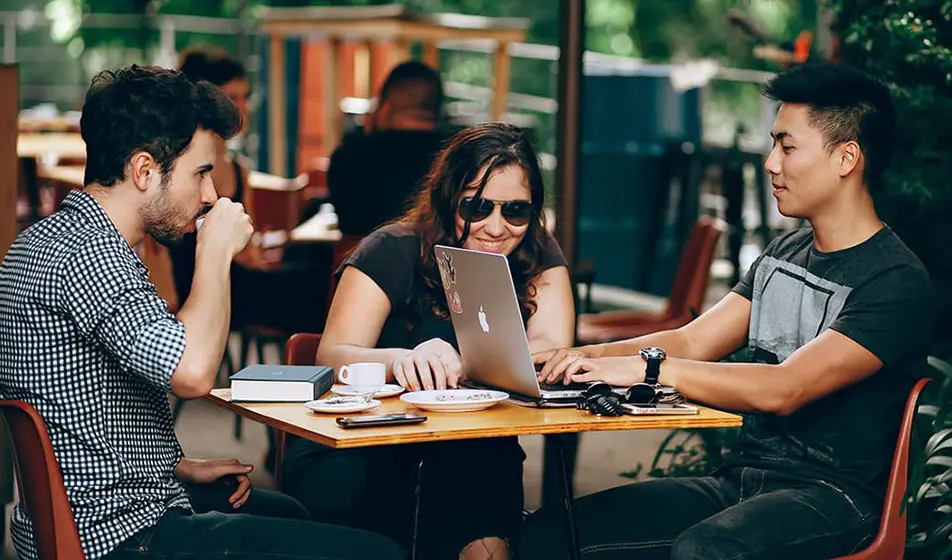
[{"x": 373, "y": 176}]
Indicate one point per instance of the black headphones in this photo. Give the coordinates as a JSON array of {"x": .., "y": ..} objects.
[{"x": 601, "y": 400}]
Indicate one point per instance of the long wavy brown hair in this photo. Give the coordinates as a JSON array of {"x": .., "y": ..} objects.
[{"x": 485, "y": 148}]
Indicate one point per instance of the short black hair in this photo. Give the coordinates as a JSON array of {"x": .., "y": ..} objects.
[
  {"x": 845, "y": 104},
  {"x": 417, "y": 85},
  {"x": 152, "y": 109},
  {"x": 211, "y": 65}
]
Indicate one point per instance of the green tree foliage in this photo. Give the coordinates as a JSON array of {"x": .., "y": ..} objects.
[
  {"x": 686, "y": 29},
  {"x": 652, "y": 29}
]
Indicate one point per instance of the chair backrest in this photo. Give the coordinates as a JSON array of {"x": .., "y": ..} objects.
[
  {"x": 891, "y": 540},
  {"x": 274, "y": 210},
  {"x": 694, "y": 269},
  {"x": 40, "y": 483},
  {"x": 317, "y": 174},
  {"x": 302, "y": 349},
  {"x": 316, "y": 183}
]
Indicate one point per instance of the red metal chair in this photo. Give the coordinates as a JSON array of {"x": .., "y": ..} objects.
[
  {"x": 891, "y": 540},
  {"x": 317, "y": 180},
  {"x": 684, "y": 303},
  {"x": 42, "y": 494},
  {"x": 301, "y": 351}
]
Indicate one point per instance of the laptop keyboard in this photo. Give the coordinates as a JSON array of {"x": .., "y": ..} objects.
[{"x": 561, "y": 387}]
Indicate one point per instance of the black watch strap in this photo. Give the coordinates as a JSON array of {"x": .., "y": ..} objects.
[{"x": 652, "y": 371}]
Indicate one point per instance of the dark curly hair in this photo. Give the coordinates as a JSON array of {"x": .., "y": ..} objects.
[
  {"x": 152, "y": 109},
  {"x": 485, "y": 148}
]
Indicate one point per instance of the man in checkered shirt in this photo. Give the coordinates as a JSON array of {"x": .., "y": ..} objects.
[{"x": 85, "y": 339}]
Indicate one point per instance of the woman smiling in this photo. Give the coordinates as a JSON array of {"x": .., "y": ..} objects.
[{"x": 483, "y": 193}]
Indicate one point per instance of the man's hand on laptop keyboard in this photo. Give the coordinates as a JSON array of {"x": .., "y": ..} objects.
[
  {"x": 551, "y": 364},
  {"x": 433, "y": 364},
  {"x": 573, "y": 365}
]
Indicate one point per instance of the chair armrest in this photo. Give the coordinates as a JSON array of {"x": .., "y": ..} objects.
[{"x": 595, "y": 333}]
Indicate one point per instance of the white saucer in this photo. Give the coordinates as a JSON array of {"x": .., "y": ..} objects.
[
  {"x": 383, "y": 391},
  {"x": 341, "y": 404},
  {"x": 454, "y": 400}
]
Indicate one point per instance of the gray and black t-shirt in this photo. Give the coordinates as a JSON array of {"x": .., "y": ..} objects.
[{"x": 876, "y": 293}]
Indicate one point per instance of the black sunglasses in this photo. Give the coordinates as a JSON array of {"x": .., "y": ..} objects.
[
  {"x": 516, "y": 212},
  {"x": 600, "y": 399}
]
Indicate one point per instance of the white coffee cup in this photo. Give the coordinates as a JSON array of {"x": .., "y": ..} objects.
[{"x": 363, "y": 374}]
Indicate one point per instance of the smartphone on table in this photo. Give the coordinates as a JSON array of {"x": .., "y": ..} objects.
[
  {"x": 395, "y": 419},
  {"x": 658, "y": 409}
]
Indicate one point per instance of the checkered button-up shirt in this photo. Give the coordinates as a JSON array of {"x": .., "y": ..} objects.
[{"x": 85, "y": 339}]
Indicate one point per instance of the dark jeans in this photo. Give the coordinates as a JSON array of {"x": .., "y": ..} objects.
[
  {"x": 270, "y": 526},
  {"x": 471, "y": 489},
  {"x": 743, "y": 513}
]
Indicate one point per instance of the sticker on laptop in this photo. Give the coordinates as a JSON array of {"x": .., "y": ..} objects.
[
  {"x": 447, "y": 271},
  {"x": 456, "y": 306}
]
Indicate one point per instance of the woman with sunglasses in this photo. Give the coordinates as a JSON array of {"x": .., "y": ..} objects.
[{"x": 484, "y": 192}]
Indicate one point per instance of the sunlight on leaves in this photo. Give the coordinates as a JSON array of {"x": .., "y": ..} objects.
[{"x": 65, "y": 17}]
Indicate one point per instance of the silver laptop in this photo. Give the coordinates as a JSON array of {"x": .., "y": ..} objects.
[{"x": 488, "y": 322}]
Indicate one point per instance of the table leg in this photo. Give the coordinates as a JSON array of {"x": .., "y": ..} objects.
[
  {"x": 551, "y": 477},
  {"x": 568, "y": 495},
  {"x": 416, "y": 512}
]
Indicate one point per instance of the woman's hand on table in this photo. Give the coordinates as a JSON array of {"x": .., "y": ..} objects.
[{"x": 433, "y": 364}]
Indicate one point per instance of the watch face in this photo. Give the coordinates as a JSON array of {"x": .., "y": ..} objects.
[{"x": 652, "y": 353}]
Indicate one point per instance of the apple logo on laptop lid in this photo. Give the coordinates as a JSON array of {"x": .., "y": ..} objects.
[{"x": 483, "y": 323}]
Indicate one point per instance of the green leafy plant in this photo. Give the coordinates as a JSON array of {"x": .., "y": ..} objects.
[{"x": 929, "y": 499}]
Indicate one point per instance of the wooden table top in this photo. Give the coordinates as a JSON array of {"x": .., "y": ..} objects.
[
  {"x": 58, "y": 122},
  {"x": 268, "y": 182},
  {"x": 62, "y": 144},
  {"x": 503, "y": 419},
  {"x": 71, "y": 145},
  {"x": 314, "y": 230},
  {"x": 73, "y": 175},
  {"x": 69, "y": 174}
]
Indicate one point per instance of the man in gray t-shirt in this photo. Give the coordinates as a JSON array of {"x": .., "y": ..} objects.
[
  {"x": 876, "y": 294},
  {"x": 837, "y": 318}
]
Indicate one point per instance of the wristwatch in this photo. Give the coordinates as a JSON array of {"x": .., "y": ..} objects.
[{"x": 653, "y": 356}]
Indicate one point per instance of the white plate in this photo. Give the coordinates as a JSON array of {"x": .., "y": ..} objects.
[
  {"x": 454, "y": 400},
  {"x": 341, "y": 404},
  {"x": 384, "y": 391}
]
